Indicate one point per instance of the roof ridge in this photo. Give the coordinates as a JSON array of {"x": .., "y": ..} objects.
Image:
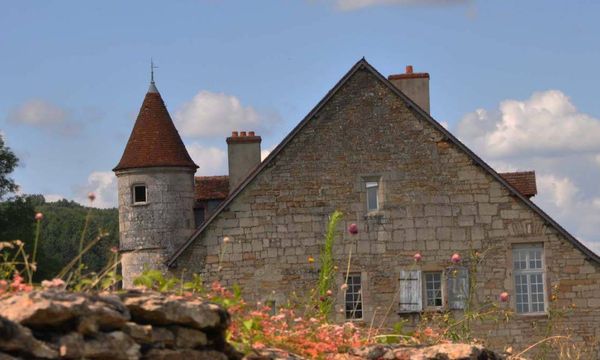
[{"x": 360, "y": 64}]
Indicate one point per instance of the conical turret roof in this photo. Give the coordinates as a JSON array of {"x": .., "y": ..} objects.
[{"x": 154, "y": 140}]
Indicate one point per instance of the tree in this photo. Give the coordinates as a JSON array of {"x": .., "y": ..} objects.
[{"x": 8, "y": 162}]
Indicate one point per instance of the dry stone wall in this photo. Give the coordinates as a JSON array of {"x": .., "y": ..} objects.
[
  {"x": 434, "y": 199},
  {"x": 131, "y": 325}
]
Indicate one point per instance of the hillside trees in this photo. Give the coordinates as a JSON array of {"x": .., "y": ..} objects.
[{"x": 8, "y": 162}]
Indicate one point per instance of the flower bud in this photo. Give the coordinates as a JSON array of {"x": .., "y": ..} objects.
[
  {"x": 39, "y": 216},
  {"x": 91, "y": 196},
  {"x": 353, "y": 229},
  {"x": 455, "y": 258},
  {"x": 504, "y": 296},
  {"x": 417, "y": 257}
]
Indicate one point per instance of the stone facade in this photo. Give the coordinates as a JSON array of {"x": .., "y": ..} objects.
[
  {"x": 151, "y": 230},
  {"x": 434, "y": 198}
]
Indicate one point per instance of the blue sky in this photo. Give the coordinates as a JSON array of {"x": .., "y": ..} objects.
[{"x": 515, "y": 80}]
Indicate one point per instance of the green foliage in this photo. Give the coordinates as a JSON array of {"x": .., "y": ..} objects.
[
  {"x": 60, "y": 232},
  {"x": 8, "y": 162},
  {"x": 326, "y": 273}
]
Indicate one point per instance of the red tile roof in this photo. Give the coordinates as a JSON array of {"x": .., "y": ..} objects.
[
  {"x": 154, "y": 140},
  {"x": 523, "y": 181},
  {"x": 212, "y": 187}
]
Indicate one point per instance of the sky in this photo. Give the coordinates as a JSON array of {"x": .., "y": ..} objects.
[{"x": 517, "y": 81}]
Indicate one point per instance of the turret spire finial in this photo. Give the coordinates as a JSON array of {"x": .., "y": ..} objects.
[
  {"x": 152, "y": 88},
  {"x": 152, "y": 67}
]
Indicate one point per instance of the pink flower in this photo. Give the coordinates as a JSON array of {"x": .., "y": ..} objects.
[
  {"x": 114, "y": 249},
  {"x": 353, "y": 229},
  {"x": 417, "y": 257},
  {"x": 344, "y": 287},
  {"x": 39, "y": 216},
  {"x": 504, "y": 296},
  {"x": 455, "y": 258},
  {"x": 329, "y": 293},
  {"x": 226, "y": 240},
  {"x": 91, "y": 196}
]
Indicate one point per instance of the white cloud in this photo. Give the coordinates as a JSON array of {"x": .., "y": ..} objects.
[
  {"x": 545, "y": 124},
  {"x": 43, "y": 114},
  {"x": 561, "y": 191},
  {"x": 545, "y": 133},
  {"x": 53, "y": 197},
  {"x": 217, "y": 114},
  {"x": 349, "y": 5},
  {"x": 104, "y": 185},
  {"x": 211, "y": 160},
  {"x": 264, "y": 153}
]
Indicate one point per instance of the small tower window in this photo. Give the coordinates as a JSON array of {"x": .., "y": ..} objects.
[{"x": 139, "y": 194}]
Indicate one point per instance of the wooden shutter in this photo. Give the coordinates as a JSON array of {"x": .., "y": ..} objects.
[
  {"x": 410, "y": 291},
  {"x": 458, "y": 287}
]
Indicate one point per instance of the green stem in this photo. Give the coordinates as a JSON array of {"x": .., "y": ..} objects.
[
  {"x": 85, "y": 226},
  {"x": 35, "y": 241}
]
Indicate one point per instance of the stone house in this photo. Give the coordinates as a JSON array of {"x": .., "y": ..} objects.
[{"x": 371, "y": 150}]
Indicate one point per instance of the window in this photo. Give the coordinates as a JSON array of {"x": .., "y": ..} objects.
[
  {"x": 432, "y": 290},
  {"x": 528, "y": 266},
  {"x": 354, "y": 297},
  {"x": 139, "y": 194},
  {"x": 372, "y": 195}
]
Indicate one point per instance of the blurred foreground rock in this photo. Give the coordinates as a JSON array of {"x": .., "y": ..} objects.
[{"x": 56, "y": 324}]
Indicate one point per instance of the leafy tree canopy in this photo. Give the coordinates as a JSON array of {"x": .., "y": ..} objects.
[{"x": 8, "y": 162}]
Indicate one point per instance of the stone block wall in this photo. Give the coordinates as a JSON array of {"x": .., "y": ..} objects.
[
  {"x": 149, "y": 231},
  {"x": 434, "y": 199}
]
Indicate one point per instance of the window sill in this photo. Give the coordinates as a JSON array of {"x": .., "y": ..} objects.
[
  {"x": 527, "y": 316},
  {"x": 140, "y": 204}
]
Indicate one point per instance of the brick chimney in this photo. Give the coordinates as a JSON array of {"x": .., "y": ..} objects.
[
  {"x": 414, "y": 85},
  {"x": 243, "y": 153}
]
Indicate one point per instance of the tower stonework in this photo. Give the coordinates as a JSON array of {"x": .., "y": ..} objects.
[{"x": 156, "y": 191}]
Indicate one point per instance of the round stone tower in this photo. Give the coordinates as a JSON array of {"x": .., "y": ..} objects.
[{"x": 156, "y": 191}]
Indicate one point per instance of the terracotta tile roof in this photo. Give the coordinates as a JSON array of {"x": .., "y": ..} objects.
[
  {"x": 523, "y": 181},
  {"x": 212, "y": 187},
  {"x": 154, "y": 140}
]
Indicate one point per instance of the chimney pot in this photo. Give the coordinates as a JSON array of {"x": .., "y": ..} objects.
[
  {"x": 234, "y": 134},
  {"x": 409, "y": 69},
  {"x": 242, "y": 133},
  {"x": 251, "y": 133}
]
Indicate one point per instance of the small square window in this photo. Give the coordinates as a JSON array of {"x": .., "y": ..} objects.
[
  {"x": 372, "y": 195},
  {"x": 139, "y": 194}
]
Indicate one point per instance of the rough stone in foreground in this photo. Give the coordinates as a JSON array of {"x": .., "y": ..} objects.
[
  {"x": 18, "y": 339},
  {"x": 154, "y": 308},
  {"x": 57, "y": 324}
]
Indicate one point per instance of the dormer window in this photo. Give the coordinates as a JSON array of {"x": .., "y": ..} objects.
[
  {"x": 139, "y": 194},
  {"x": 372, "y": 195}
]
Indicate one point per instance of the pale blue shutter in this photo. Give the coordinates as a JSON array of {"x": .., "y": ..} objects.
[
  {"x": 458, "y": 287},
  {"x": 410, "y": 291}
]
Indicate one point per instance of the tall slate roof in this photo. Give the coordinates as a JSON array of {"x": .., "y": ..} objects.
[{"x": 154, "y": 140}]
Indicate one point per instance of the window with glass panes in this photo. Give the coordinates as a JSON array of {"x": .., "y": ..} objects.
[
  {"x": 528, "y": 266},
  {"x": 433, "y": 289},
  {"x": 354, "y": 297},
  {"x": 372, "y": 195}
]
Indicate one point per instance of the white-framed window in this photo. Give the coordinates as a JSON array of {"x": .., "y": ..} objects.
[
  {"x": 139, "y": 194},
  {"x": 354, "y": 300},
  {"x": 434, "y": 290},
  {"x": 528, "y": 270},
  {"x": 372, "y": 195}
]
